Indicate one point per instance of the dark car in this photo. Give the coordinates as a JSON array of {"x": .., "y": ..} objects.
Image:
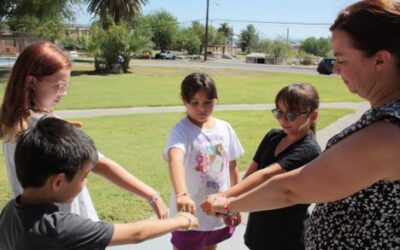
[
  {"x": 325, "y": 66},
  {"x": 168, "y": 55}
]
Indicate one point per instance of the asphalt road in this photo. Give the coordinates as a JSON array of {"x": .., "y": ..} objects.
[{"x": 228, "y": 64}]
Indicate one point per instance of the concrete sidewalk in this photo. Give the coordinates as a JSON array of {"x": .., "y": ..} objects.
[
  {"x": 181, "y": 108},
  {"x": 236, "y": 242}
]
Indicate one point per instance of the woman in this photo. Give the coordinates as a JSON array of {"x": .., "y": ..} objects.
[{"x": 356, "y": 181}]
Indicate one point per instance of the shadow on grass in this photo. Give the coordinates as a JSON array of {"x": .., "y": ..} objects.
[{"x": 94, "y": 72}]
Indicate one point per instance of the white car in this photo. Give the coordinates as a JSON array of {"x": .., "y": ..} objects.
[{"x": 73, "y": 54}]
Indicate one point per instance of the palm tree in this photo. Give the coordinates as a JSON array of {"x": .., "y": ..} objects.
[
  {"x": 118, "y": 10},
  {"x": 227, "y": 33}
]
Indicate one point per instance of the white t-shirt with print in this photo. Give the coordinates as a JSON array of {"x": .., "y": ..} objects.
[
  {"x": 82, "y": 204},
  {"x": 207, "y": 153}
]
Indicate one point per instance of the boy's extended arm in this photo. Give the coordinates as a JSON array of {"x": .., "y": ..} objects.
[
  {"x": 143, "y": 230},
  {"x": 113, "y": 172}
]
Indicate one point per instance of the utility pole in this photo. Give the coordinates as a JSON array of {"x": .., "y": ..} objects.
[
  {"x": 287, "y": 34},
  {"x": 206, "y": 36}
]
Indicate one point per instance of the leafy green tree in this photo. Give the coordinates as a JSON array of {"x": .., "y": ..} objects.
[
  {"x": 74, "y": 44},
  {"x": 3, "y": 25},
  {"x": 265, "y": 46},
  {"x": 320, "y": 47},
  {"x": 280, "y": 48},
  {"x": 188, "y": 40},
  {"x": 165, "y": 28},
  {"x": 248, "y": 39},
  {"x": 199, "y": 30},
  {"x": 114, "y": 16},
  {"x": 119, "y": 40},
  {"x": 94, "y": 45},
  {"x": 215, "y": 37},
  {"x": 42, "y": 18}
]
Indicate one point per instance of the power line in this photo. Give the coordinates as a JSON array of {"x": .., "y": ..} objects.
[{"x": 270, "y": 22}]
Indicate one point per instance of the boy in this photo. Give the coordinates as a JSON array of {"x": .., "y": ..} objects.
[{"x": 52, "y": 161}]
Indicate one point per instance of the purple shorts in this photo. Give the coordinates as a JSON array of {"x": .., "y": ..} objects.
[{"x": 196, "y": 240}]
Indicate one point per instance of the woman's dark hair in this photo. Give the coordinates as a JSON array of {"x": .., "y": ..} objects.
[
  {"x": 195, "y": 82},
  {"x": 299, "y": 98},
  {"x": 372, "y": 25}
]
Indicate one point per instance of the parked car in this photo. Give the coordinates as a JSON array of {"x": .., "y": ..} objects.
[
  {"x": 325, "y": 66},
  {"x": 73, "y": 54},
  {"x": 168, "y": 55}
]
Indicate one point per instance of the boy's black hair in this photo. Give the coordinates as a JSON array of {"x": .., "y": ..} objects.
[
  {"x": 50, "y": 147},
  {"x": 198, "y": 81}
]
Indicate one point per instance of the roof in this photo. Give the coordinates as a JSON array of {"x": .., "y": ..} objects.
[{"x": 256, "y": 55}]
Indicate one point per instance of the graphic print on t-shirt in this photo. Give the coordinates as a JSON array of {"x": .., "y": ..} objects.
[{"x": 209, "y": 161}]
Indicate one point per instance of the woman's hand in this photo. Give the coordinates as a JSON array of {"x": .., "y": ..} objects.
[
  {"x": 159, "y": 207},
  {"x": 214, "y": 204},
  {"x": 185, "y": 204}
]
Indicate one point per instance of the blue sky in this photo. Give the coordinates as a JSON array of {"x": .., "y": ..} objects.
[{"x": 240, "y": 13}]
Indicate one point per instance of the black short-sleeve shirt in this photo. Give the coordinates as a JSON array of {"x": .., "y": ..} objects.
[
  {"x": 281, "y": 228},
  {"x": 38, "y": 226}
]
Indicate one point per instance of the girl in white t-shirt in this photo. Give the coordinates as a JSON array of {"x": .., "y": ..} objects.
[
  {"x": 38, "y": 81},
  {"x": 201, "y": 153}
]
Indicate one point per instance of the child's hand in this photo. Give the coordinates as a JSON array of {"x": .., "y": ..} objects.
[
  {"x": 159, "y": 207},
  {"x": 185, "y": 204},
  {"x": 190, "y": 222},
  {"x": 232, "y": 220}
]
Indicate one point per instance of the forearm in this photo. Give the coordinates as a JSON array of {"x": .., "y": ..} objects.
[
  {"x": 177, "y": 170},
  {"x": 178, "y": 180},
  {"x": 234, "y": 173},
  {"x": 273, "y": 194},
  {"x": 116, "y": 174},
  {"x": 254, "y": 178},
  {"x": 143, "y": 230},
  {"x": 245, "y": 185}
]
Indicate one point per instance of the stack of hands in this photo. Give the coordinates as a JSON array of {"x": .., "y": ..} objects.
[{"x": 215, "y": 204}]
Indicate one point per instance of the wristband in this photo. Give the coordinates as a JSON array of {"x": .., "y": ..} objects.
[
  {"x": 190, "y": 223},
  {"x": 153, "y": 200},
  {"x": 226, "y": 207}
]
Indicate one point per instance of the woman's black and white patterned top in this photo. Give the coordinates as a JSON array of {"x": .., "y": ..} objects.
[{"x": 369, "y": 219}]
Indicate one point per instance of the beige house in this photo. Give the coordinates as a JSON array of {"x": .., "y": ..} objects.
[
  {"x": 255, "y": 58},
  {"x": 76, "y": 31}
]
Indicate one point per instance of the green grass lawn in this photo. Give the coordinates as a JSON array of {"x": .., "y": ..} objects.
[
  {"x": 136, "y": 142},
  {"x": 160, "y": 86}
]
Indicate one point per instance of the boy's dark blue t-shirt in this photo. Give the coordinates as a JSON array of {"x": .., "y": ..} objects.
[
  {"x": 284, "y": 228},
  {"x": 37, "y": 226}
]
